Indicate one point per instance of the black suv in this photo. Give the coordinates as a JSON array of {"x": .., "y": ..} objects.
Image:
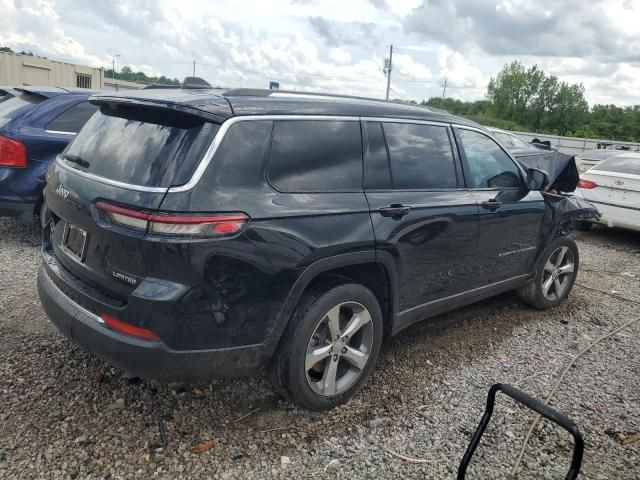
[{"x": 198, "y": 233}]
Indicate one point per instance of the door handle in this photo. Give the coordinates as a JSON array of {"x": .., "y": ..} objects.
[
  {"x": 394, "y": 211},
  {"x": 491, "y": 205}
]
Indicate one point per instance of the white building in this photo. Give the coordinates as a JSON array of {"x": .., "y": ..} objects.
[{"x": 17, "y": 69}]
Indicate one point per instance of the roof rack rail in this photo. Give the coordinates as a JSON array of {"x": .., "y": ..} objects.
[{"x": 263, "y": 92}]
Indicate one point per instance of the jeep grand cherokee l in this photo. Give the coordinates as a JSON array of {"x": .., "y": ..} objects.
[{"x": 198, "y": 234}]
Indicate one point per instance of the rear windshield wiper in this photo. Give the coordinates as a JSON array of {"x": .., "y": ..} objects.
[{"x": 76, "y": 159}]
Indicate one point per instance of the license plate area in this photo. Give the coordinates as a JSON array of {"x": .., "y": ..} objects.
[{"x": 74, "y": 241}]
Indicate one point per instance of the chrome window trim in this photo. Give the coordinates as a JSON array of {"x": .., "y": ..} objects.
[
  {"x": 224, "y": 128},
  {"x": 60, "y": 132},
  {"x": 108, "y": 181},
  {"x": 405, "y": 120},
  {"x": 227, "y": 124}
]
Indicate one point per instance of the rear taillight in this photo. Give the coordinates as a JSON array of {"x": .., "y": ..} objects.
[
  {"x": 175, "y": 225},
  {"x": 12, "y": 153},
  {"x": 130, "y": 330},
  {"x": 586, "y": 184}
]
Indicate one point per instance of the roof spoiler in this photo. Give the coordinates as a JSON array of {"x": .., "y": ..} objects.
[
  {"x": 41, "y": 92},
  {"x": 195, "y": 83}
]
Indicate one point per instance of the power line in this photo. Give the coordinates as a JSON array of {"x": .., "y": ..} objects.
[{"x": 397, "y": 93}]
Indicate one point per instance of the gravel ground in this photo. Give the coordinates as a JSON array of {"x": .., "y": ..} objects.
[{"x": 64, "y": 414}]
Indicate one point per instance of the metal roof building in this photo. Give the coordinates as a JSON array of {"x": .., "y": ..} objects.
[{"x": 18, "y": 69}]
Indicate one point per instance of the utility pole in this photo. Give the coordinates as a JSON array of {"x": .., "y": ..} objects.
[
  {"x": 387, "y": 68},
  {"x": 444, "y": 89},
  {"x": 116, "y": 58},
  {"x": 194, "y": 69}
]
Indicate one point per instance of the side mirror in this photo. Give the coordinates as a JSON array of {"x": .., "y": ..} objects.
[{"x": 537, "y": 179}]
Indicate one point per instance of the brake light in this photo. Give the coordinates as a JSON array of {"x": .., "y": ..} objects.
[
  {"x": 586, "y": 184},
  {"x": 130, "y": 330},
  {"x": 169, "y": 224},
  {"x": 12, "y": 153}
]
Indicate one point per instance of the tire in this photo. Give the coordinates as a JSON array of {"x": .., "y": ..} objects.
[
  {"x": 542, "y": 292},
  {"x": 582, "y": 226},
  {"x": 309, "y": 337}
]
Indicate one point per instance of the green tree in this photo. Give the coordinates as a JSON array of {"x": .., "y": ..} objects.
[{"x": 126, "y": 73}]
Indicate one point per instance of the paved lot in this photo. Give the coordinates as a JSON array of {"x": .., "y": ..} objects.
[{"x": 65, "y": 414}]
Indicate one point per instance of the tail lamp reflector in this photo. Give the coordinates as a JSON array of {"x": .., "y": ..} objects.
[
  {"x": 586, "y": 184},
  {"x": 174, "y": 225},
  {"x": 128, "y": 329},
  {"x": 12, "y": 153}
]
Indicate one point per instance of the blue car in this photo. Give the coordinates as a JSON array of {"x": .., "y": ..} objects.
[{"x": 36, "y": 124}]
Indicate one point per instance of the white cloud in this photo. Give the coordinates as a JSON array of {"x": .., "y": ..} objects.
[
  {"x": 339, "y": 55},
  {"x": 338, "y": 46}
]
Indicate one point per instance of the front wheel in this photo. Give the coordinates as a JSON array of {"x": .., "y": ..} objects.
[
  {"x": 556, "y": 273},
  {"x": 330, "y": 347}
]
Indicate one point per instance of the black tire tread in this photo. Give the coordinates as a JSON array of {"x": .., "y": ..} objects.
[
  {"x": 531, "y": 294},
  {"x": 278, "y": 371}
]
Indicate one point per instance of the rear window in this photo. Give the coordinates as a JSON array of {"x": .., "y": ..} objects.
[
  {"x": 14, "y": 107},
  {"x": 73, "y": 119},
  {"x": 316, "y": 156},
  {"x": 621, "y": 164},
  {"x": 140, "y": 146}
]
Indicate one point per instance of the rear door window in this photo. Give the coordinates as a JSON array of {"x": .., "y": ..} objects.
[
  {"x": 488, "y": 165},
  {"x": 620, "y": 164},
  {"x": 17, "y": 106},
  {"x": 72, "y": 119},
  {"x": 316, "y": 156},
  {"x": 140, "y": 146},
  {"x": 421, "y": 157}
]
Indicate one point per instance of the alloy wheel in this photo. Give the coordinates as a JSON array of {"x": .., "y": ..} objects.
[
  {"x": 557, "y": 273},
  {"x": 339, "y": 349}
]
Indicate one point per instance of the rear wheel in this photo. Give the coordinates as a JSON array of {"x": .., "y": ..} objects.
[
  {"x": 555, "y": 275},
  {"x": 330, "y": 347}
]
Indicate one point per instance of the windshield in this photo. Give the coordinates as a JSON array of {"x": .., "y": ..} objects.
[
  {"x": 503, "y": 138},
  {"x": 140, "y": 146},
  {"x": 519, "y": 143}
]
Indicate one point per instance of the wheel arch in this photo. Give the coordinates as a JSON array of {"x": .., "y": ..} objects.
[{"x": 358, "y": 267}]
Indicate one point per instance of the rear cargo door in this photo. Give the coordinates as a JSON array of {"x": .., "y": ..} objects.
[{"x": 127, "y": 157}]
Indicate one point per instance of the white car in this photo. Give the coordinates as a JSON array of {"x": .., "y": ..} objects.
[
  {"x": 613, "y": 186},
  {"x": 591, "y": 158}
]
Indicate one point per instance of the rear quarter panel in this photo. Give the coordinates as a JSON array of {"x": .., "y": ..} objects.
[{"x": 287, "y": 233}]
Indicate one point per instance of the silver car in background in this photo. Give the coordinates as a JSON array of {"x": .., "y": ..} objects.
[{"x": 613, "y": 186}]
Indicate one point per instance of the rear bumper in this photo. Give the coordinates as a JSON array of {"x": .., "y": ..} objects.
[
  {"x": 22, "y": 211},
  {"x": 618, "y": 216},
  {"x": 152, "y": 360}
]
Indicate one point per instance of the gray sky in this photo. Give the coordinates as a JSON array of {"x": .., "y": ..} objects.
[{"x": 339, "y": 46}]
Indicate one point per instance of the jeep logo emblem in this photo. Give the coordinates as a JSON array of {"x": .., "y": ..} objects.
[{"x": 63, "y": 192}]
